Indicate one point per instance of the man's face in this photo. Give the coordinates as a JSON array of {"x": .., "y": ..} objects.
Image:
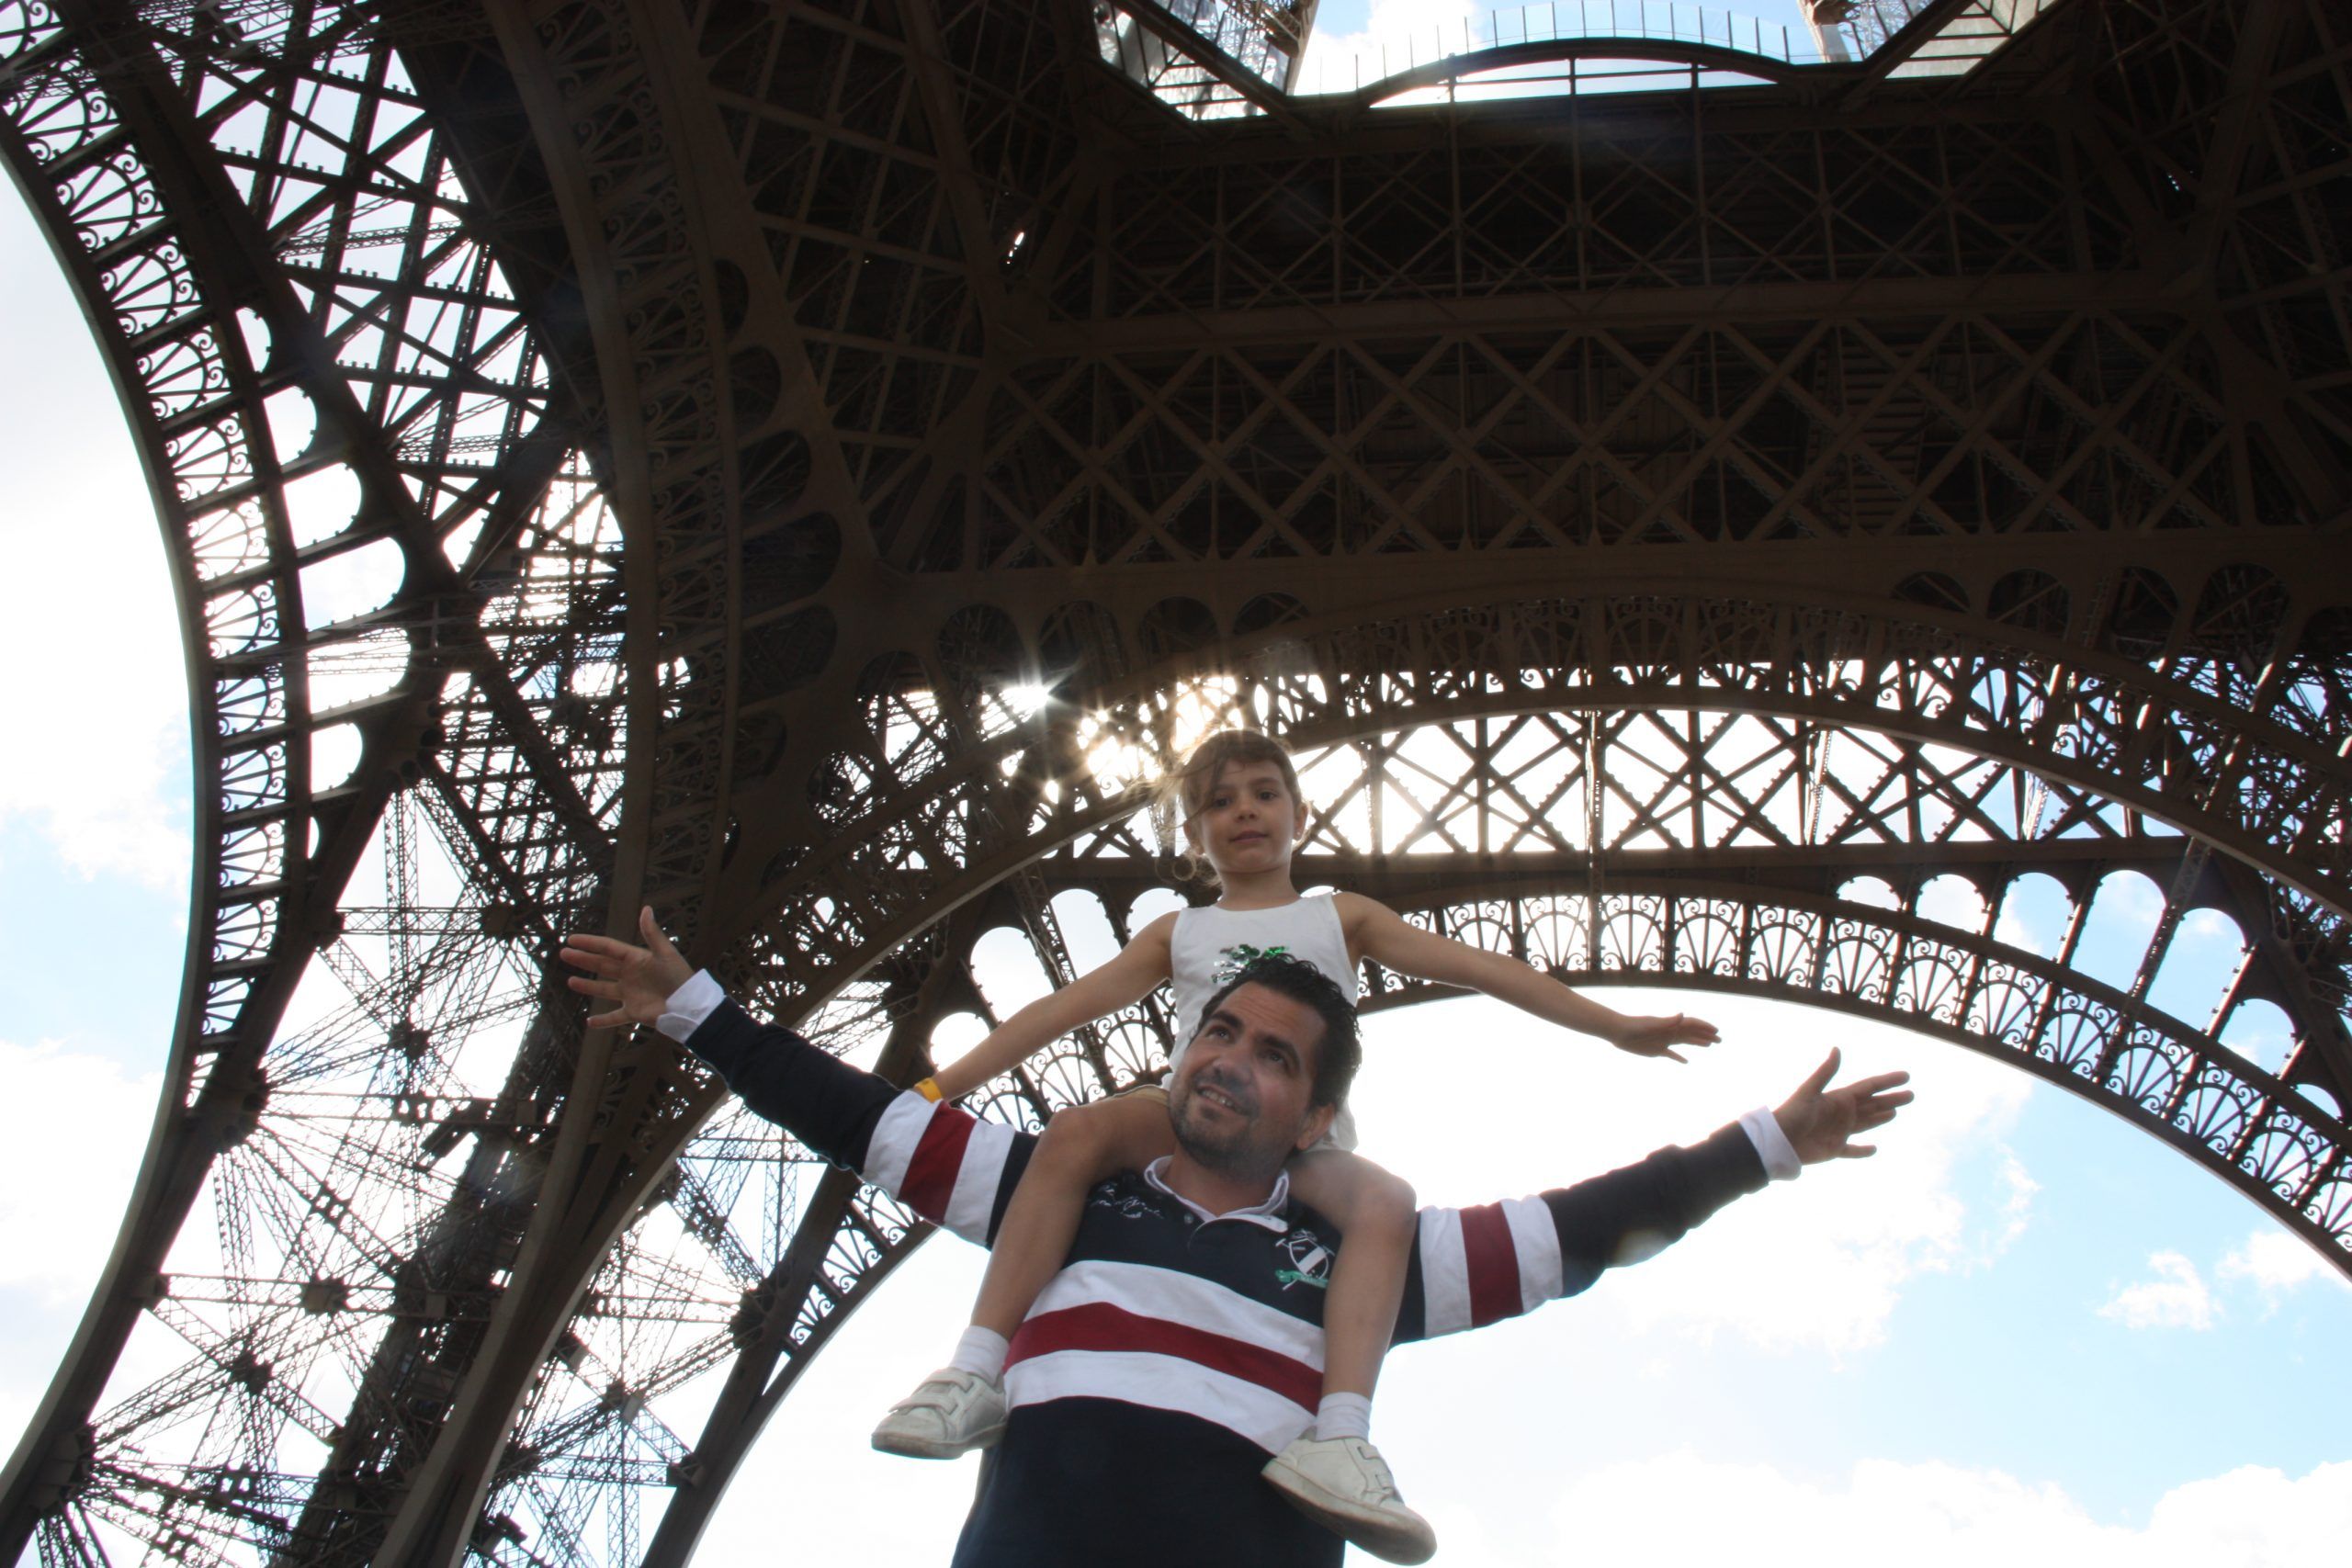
[{"x": 1241, "y": 1104}]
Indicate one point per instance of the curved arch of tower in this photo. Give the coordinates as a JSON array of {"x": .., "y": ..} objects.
[{"x": 809, "y": 466}]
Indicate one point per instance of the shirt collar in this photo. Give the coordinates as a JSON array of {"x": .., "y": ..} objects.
[{"x": 1268, "y": 1214}]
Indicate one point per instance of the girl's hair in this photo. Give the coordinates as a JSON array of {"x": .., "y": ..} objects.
[{"x": 1184, "y": 793}]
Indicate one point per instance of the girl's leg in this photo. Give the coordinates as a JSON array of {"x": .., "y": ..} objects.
[
  {"x": 1377, "y": 1216},
  {"x": 961, "y": 1407},
  {"x": 1333, "y": 1474},
  {"x": 1081, "y": 1147}
]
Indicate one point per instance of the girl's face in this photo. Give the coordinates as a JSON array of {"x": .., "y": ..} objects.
[{"x": 1249, "y": 822}]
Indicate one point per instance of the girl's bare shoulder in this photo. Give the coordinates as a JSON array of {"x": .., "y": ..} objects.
[{"x": 1158, "y": 933}]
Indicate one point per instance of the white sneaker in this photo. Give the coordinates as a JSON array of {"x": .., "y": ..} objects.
[
  {"x": 954, "y": 1412},
  {"x": 1344, "y": 1485}
]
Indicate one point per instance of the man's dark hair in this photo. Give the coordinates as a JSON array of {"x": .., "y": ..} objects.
[{"x": 1341, "y": 1051}]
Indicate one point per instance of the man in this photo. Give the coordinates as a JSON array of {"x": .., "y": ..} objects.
[{"x": 1181, "y": 1345}]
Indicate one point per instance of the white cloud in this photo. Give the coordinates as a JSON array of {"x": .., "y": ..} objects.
[
  {"x": 102, "y": 702},
  {"x": 2175, "y": 1298},
  {"x": 2211, "y": 925},
  {"x": 1952, "y": 901},
  {"x": 1409, "y": 29},
  {"x": 2015, "y": 930},
  {"x": 1936, "y": 1514},
  {"x": 1471, "y": 1100},
  {"x": 72, "y": 1128},
  {"x": 2034, "y": 910},
  {"x": 2274, "y": 1261},
  {"x": 66, "y": 1112},
  {"x": 2129, "y": 896},
  {"x": 2260, "y": 1032},
  {"x": 2016, "y": 1212},
  {"x": 2252, "y": 1518}
]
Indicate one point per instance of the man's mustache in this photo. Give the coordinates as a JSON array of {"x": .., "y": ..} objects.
[{"x": 1226, "y": 1083}]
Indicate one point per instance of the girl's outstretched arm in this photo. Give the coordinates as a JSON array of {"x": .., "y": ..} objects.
[
  {"x": 1380, "y": 933},
  {"x": 1130, "y": 977}
]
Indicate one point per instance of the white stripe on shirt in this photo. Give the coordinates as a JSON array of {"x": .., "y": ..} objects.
[
  {"x": 1535, "y": 1242},
  {"x": 977, "y": 1180},
  {"x": 1446, "y": 1273},
  {"x": 1160, "y": 1382},
  {"x": 892, "y": 1147}
]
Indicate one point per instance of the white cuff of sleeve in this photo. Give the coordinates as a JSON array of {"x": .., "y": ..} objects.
[
  {"x": 689, "y": 1005},
  {"x": 1763, "y": 1130}
]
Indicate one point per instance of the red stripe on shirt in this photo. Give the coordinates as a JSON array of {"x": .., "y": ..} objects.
[
  {"x": 1492, "y": 1264},
  {"x": 1099, "y": 1325},
  {"x": 933, "y": 1168}
]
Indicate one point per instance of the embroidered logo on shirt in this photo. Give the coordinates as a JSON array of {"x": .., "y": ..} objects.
[
  {"x": 1310, "y": 1261},
  {"x": 1126, "y": 1205}
]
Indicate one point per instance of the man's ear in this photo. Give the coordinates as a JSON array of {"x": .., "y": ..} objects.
[{"x": 1319, "y": 1121}]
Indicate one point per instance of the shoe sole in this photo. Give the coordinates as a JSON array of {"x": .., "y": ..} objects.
[{"x": 1360, "y": 1526}]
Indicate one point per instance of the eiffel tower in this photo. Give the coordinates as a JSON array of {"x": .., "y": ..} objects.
[{"x": 808, "y": 464}]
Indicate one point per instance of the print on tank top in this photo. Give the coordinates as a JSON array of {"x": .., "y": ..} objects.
[{"x": 1233, "y": 960}]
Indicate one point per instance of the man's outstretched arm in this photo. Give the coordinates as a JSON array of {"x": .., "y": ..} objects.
[
  {"x": 946, "y": 1163},
  {"x": 1473, "y": 1266}
]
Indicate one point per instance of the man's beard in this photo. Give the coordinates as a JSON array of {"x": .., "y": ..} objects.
[{"x": 1247, "y": 1148}]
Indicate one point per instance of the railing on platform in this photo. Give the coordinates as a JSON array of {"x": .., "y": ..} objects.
[{"x": 1660, "y": 20}]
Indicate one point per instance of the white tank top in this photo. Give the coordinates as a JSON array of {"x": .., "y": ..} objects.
[{"x": 1212, "y": 942}]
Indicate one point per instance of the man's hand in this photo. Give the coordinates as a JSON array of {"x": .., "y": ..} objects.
[
  {"x": 1659, "y": 1036},
  {"x": 639, "y": 979},
  {"x": 1820, "y": 1121}
]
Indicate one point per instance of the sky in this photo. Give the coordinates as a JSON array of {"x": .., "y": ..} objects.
[{"x": 2025, "y": 1329}]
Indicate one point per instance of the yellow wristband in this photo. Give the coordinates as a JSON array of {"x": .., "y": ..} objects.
[{"x": 929, "y": 1090}]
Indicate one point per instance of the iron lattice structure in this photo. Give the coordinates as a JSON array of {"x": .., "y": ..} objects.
[{"x": 613, "y": 450}]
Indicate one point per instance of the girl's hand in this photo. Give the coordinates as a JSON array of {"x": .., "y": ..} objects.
[{"x": 1659, "y": 1036}]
